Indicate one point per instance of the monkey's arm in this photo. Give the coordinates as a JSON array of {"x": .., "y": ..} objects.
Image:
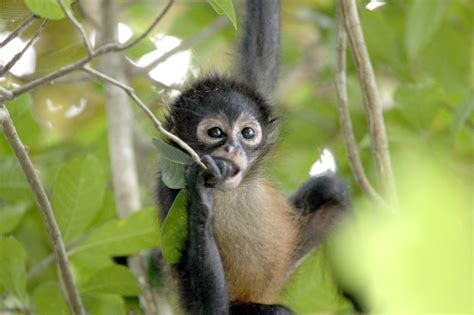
[
  {"x": 259, "y": 47},
  {"x": 318, "y": 204},
  {"x": 200, "y": 274}
]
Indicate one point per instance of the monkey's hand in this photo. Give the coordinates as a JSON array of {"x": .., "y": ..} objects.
[{"x": 200, "y": 182}]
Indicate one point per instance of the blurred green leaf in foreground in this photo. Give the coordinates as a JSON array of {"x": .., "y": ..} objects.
[{"x": 418, "y": 258}]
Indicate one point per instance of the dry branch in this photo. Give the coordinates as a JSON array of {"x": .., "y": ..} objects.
[
  {"x": 344, "y": 113},
  {"x": 70, "y": 289},
  {"x": 373, "y": 107}
]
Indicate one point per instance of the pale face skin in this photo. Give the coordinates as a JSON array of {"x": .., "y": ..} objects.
[{"x": 235, "y": 137}]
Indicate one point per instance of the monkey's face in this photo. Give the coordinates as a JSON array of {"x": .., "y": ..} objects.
[
  {"x": 235, "y": 140},
  {"x": 225, "y": 119}
]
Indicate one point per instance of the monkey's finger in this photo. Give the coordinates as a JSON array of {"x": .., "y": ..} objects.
[{"x": 213, "y": 173}]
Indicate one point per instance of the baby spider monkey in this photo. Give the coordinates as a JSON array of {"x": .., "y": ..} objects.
[{"x": 244, "y": 237}]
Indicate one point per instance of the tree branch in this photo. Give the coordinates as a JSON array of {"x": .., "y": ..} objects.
[
  {"x": 148, "y": 112},
  {"x": 373, "y": 108},
  {"x": 106, "y": 48},
  {"x": 17, "y": 57},
  {"x": 120, "y": 142},
  {"x": 344, "y": 113},
  {"x": 79, "y": 27},
  {"x": 70, "y": 290},
  {"x": 18, "y": 30}
]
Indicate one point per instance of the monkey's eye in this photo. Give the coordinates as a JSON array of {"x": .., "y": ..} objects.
[
  {"x": 248, "y": 133},
  {"x": 215, "y": 132}
]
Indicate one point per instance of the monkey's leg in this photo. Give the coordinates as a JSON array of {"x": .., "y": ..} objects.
[
  {"x": 259, "y": 309},
  {"x": 203, "y": 285},
  {"x": 319, "y": 203}
]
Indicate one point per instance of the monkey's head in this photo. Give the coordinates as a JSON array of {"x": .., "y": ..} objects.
[{"x": 225, "y": 119}]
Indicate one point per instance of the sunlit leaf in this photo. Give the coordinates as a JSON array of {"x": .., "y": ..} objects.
[
  {"x": 127, "y": 236},
  {"x": 49, "y": 9},
  {"x": 78, "y": 195},
  {"x": 423, "y": 20},
  {"x": 174, "y": 229},
  {"x": 114, "y": 279},
  {"x": 12, "y": 267},
  {"x": 225, "y": 7},
  {"x": 10, "y": 216},
  {"x": 48, "y": 299}
]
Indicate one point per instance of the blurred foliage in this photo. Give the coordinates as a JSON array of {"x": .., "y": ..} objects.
[{"x": 417, "y": 260}]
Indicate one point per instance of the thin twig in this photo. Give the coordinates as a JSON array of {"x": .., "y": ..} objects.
[
  {"x": 373, "y": 108},
  {"x": 344, "y": 114},
  {"x": 79, "y": 27},
  {"x": 212, "y": 28},
  {"x": 17, "y": 57},
  {"x": 148, "y": 112},
  {"x": 106, "y": 48},
  {"x": 70, "y": 289},
  {"x": 18, "y": 30}
]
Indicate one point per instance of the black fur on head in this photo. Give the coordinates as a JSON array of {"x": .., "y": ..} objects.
[{"x": 217, "y": 94}]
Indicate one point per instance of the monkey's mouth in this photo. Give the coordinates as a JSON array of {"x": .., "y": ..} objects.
[
  {"x": 235, "y": 172},
  {"x": 234, "y": 179}
]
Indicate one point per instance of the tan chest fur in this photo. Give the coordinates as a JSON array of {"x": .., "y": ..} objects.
[{"x": 256, "y": 236}]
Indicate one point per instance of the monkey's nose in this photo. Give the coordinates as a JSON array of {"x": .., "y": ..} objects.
[{"x": 229, "y": 148}]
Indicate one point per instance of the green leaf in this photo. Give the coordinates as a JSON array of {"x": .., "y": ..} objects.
[
  {"x": 48, "y": 9},
  {"x": 172, "y": 173},
  {"x": 171, "y": 153},
  {"x": 104, "y": 304},
  {"x": 406, "y": 260},
  {"x": 423, "y": 20},
  {"x": 10, "y": 216},
  {"x": 21, "y": 112},
  {"x": 12, "y": 267},
  {"x": 462, "y": 113},
  {"x": 114, "y": 279},
  {"x": 172, "y": 164},
  {"x": 225, "y": 7},
  {"x": 85, "y": 264},
  {"x": 312, "y": 288},
  {"x": 13, "y": 185},
  {"x": 48, "y": 299},
  {"x": 174, "y": 230},
  {"x": 78, "y": 195},
  {"x": 126, "y": 236}
]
